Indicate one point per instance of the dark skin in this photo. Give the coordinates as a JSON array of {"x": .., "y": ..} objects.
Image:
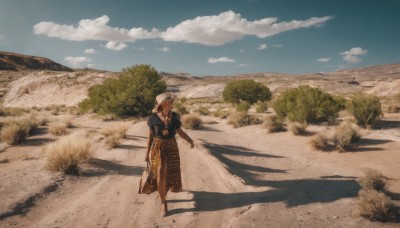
[{"x": 162, "y": 169}]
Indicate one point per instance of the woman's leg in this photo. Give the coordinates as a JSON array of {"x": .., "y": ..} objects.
[{"x": 161, "y": 185}]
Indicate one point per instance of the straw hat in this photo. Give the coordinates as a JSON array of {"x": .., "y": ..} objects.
[{"x": 161, "y": 98}]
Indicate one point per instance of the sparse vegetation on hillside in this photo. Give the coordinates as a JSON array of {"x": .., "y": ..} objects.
[
  {"x": 261, "y": 106},
  {"x": 243, "y": 106},
  {"x": 305, "y": 104},
  {"x": 246, "y": 90},
  {"x": 132, "y": 93},
  {"x": 366, "y": 109},
  {"x": 180, "y": 108}
]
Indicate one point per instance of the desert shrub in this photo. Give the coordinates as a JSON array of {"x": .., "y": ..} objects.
[
  {"x": 393, "y": 109},
  {"x": 192, "y": 122},
  {"x": 113, "y": 135},
  {"x": 13, "y": 111},
  {"x": 246, "y": 90},
  {"x": 65, "y": 154},
  {"x": 241, "y": 119},
  {"x": 366, "y": 109},
  {"x": 221, "y": 113},
  {"x": 58, "y": 128},
  {"x": 261, "y": 106},
  {"x": 320, "y": 142},
  {"x": 14, "y": 133},
  {"x": 5, "y": 160},
  {"x": 346, "y": 134},
  {"x": 375, "y": 205},
  {"x": 182, "y": 99},
  {"x": 273, "y": 124},
  {"x": 180, "y": 108},
  {"x": 306, "y": 104},
  {"x": 372, "y": 179},
  {"x": 243, "y": 106},
  {"x": 131, "y": 94},
  {"x": 297, "y": 128},
  {"x": 203, "y": 110}
]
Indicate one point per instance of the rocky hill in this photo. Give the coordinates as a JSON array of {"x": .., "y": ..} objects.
[{"x": 17, "y": 62}]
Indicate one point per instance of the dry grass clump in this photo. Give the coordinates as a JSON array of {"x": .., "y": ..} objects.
[
  {"x": 14, "y": 133},
  {"x": 393, "y": 109},
  {"x": 273, "y": 124},
  {"x": 113, "y": 135},
  {"x": 376, "y": 206},
  {"x": 373, "y": 202},
  {"x": 203, "y": 110},
  {"x": 58, "y": 128},
  {"x": 223, "y": 114},
  {"x": 241, "y": 119},
  {"x": 65, "y": 154},
  {"x": 297, "y": 128},
  {"x": 5, "y": 160},
  {"x": 373, "y": 179},
  {"x": 320, "y": 142},
  {"x": 346, "y": 134},
  {"x": 192, "y": 122}
]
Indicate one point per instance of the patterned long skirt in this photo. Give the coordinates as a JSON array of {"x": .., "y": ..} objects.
[{"x": 166, "y": 151}]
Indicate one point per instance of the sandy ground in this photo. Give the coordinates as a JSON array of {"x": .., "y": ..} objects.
[{"x": 242, "y": 177}]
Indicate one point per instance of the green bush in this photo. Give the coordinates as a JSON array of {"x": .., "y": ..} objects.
[
  {"x": 243, "y": 106},
  {"x": 366, "y": 109},
  {"x": 306, "y": 104},
  {"x": 246, "y": 90},
  {"x": 132, "y": 93}
]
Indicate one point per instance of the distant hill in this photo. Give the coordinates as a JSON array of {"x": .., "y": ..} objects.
[{"x": 17, "y": 62}]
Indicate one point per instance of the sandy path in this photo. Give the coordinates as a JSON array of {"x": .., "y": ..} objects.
[{"x": 233, "y": 178}]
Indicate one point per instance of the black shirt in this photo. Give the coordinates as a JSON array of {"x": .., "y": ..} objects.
[{"x": 157, "y": 125}]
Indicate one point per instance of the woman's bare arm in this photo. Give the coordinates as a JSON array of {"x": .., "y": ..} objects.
[
  {"x": 182, "y": 134},
  {"x": 149, "y": 143}
]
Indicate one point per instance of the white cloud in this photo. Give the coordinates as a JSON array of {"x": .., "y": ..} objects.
[
  {"x": 90, "y": 65},
  {"x": 241, "y": 50},
  {"x": 221, "y": 60},
  {"x": 93, "y": 29},
  {"x": 324, "y": 59},
  {"x": 277, "y": 45},
  {"x": 242, "y": 65},
  {"x": 139, "y": 49},
  {"x": 116, "y": 46},
  {"x": 229, "y": 26},
  {"x": 262, "y": 47},
  {"x": 211, "y": 30},
  {"x": 352, "y": 55},
  {"x": 164, "y": 49},
  {"x": 90, "y": 51},
  {"x": 2, "y": 39},
  {"x": 76, "y": 61}
]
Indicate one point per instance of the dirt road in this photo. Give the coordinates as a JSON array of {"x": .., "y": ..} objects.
[{"x": 241, "y": 177}]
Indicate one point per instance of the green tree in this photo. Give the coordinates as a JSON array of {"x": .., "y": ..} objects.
[
  {"x": 246, "y": 90},
  {"x": 132, "y": 93}
]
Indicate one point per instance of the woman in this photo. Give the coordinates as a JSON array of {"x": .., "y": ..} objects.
[{"x": 162, "y": 149}]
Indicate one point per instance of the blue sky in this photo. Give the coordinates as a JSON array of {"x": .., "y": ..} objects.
[{"x": 206, "y": 37}]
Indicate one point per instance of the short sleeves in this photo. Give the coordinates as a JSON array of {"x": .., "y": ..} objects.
[
  {"x": 178, "y": 123},
  {"x": 150, "y": 123}
]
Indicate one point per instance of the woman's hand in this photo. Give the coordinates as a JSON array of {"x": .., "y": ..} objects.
[{"x": 191, "y": 145}]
